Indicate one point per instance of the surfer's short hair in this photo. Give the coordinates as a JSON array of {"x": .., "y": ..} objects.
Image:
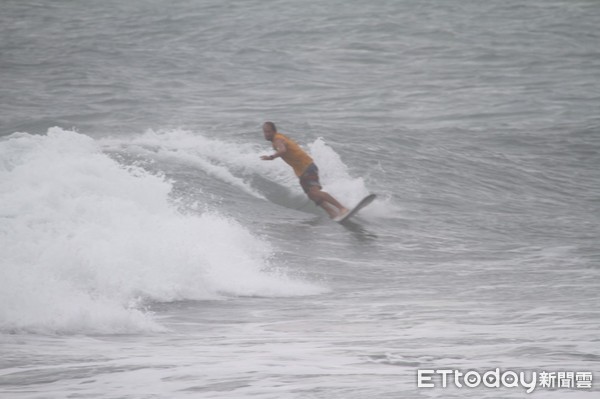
[{"x": 271, "y": 125}]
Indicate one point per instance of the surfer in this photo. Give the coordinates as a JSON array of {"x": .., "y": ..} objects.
[{"x": 304, "y": 167}]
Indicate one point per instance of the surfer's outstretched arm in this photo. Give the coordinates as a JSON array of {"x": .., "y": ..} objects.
[{"x": 279, "y": 147}]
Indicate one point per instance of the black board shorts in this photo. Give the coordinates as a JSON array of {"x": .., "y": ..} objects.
[{"x": 310, "y": 178}]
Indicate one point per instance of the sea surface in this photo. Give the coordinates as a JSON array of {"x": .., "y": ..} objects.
[{"x": 147, "y": 252}]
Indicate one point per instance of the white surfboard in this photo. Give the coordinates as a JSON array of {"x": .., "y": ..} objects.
[{"x": 364, "y": 202}]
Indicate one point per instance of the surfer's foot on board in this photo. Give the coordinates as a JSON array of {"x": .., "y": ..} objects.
[
  {"x": 341, "y": 213},
  {"x": 333, "y": 211}
]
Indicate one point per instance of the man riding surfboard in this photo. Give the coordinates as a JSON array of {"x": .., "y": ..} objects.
[{"x": 304, "y": 167}]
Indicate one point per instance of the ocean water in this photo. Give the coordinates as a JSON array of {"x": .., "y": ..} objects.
[{"x": 147, "y": 251}]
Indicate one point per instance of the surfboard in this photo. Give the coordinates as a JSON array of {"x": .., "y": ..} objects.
[{"x": 364, "y": 202}]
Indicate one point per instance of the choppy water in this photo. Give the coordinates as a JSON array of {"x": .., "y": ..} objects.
[{"x": 147, "y": 252}]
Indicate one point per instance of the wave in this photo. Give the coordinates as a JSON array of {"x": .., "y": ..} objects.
[
  {"x": 87, "y": 242},
  {"x": 238, "y": 165}
]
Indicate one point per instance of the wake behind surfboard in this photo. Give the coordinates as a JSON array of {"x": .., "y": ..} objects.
[{"x": 364, "y": 202}]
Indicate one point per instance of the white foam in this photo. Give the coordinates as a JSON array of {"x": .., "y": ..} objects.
[
  {"x": 336, "y": 180},
  {"x": 86, "y": 242},
  {"x": 229, "y": 162}
]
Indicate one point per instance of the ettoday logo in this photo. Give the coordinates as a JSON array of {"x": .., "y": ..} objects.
[{"x": 504, "y": 379}]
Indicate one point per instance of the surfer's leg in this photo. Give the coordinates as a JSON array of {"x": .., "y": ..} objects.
[
  {"x": 328, "y": 198},
  {"x": 330, "y": 209},
  {"x": 312, "y": 187},
  {"x": 326, "y": 201}
]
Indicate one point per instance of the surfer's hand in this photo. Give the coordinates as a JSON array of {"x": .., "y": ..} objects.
[{"x": 267, "y": 157}]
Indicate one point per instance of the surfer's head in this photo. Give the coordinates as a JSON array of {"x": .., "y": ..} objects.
[{"x": 269, "y": 130}]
